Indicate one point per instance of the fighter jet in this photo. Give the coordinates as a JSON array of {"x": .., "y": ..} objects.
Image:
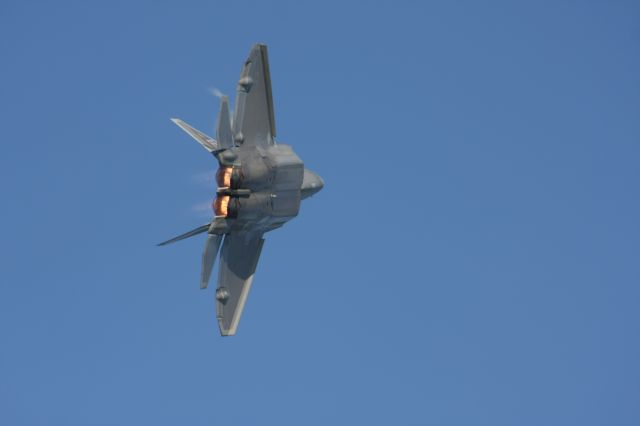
[{"x": 260, "y": 184}]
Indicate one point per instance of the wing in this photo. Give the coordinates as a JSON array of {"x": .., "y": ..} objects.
[
  {"x": 254, "y": 123},
  {"x": 238, "y": 261}
]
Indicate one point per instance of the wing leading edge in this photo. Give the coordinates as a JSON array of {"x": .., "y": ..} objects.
[{"x": 238, "y": 260}]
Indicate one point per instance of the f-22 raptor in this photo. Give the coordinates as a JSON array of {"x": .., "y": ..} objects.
[{"x": 260, "y": 184}]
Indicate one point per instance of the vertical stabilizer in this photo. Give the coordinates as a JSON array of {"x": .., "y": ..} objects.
[
  {"x": 223, "y": 130},
  {"x": 209, "y": 258}
]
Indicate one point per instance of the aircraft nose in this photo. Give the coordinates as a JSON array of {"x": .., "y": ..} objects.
[{"x": 311, "y": 183}]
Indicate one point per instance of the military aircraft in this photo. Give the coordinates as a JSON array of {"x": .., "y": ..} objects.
[{"x": 260, "y": 184}]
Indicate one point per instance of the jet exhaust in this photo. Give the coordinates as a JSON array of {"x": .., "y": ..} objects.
[
  {"x": 223, "y": 177},
  {"x": 221, "y": 205}
]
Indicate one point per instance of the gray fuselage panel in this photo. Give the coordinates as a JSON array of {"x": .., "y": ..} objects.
[{"x": 274, "y": 177}]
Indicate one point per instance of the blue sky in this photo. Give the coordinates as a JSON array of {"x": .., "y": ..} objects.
[{"x": 474, "y": 258}]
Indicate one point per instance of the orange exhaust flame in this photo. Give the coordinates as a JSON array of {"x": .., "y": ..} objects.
[
  {"x": 223, "y": 177},
  {"x": 221, "y": 205}
]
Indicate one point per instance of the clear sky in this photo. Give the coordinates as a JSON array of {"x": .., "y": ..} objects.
[{"x": 474, "y": 257}]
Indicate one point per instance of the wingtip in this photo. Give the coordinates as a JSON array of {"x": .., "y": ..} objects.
[{"x": 227, "y": 333}]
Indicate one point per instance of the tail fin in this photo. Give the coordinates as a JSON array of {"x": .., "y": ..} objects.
[
  {"x": 223, "y": 130},
  {"x": 207, "y": 142},
  {"x": 198, "y": 230},
  {"x": 209, "y": 254}
]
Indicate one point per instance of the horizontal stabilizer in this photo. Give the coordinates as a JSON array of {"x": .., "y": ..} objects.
[
  {"x": 198, "y": 230},
  {"x": 207, "y": 142}
]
